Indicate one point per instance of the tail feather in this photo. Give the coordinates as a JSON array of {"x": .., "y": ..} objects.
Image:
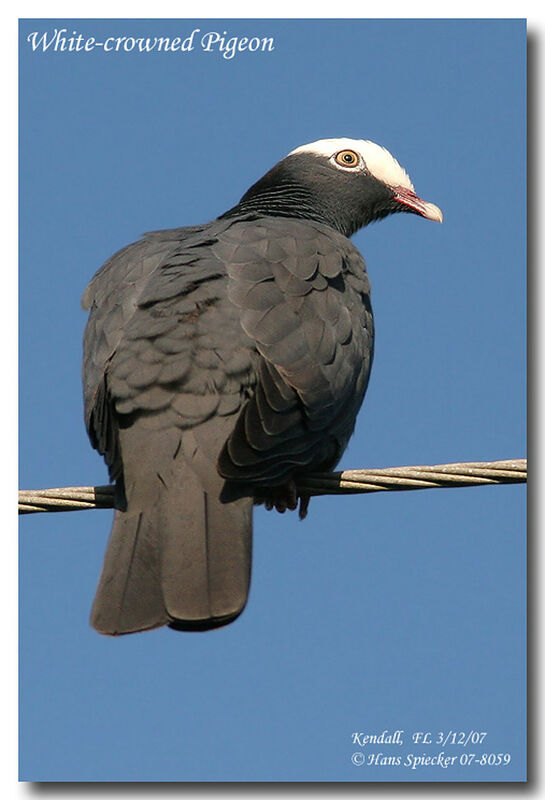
[
  {"x": 206, "y": 556},
  {"x": 178, "y": 555},
  {"x": 129, "y": 596}
]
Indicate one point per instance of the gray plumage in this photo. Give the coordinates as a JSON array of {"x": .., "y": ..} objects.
[{"x": 220, "y": 362}]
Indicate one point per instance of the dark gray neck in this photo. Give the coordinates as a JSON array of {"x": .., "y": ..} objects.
[
  {"x": 287, "y": 201},
  {"x": 304, "y": 186}
]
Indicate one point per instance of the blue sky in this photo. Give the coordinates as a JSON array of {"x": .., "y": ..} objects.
[{"x": 400, "y": 611}]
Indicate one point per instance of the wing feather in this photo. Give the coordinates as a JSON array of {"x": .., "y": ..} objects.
[
  {"x": 264, "y": 323},
  {"x": 312, "y": 326}
]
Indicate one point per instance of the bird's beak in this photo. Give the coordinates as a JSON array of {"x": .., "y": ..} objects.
[{"x": 408, "y": 198}]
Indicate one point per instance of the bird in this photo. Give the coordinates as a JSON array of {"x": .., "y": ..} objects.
[{"x": 223, "y": 362}]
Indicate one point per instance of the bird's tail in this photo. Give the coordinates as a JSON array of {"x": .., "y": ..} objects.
[{"x": 177, "y": 555}]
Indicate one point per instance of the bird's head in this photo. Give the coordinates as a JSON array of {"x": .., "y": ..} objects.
[{"x": 344, "y": 183}]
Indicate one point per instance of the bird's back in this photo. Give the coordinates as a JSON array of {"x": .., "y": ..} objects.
[{"x": 229, "y": 355}]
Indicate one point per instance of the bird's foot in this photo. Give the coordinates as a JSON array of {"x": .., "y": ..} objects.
[
  {"x": 282, "y": 498},
  {"x": 304, "y": 500}
]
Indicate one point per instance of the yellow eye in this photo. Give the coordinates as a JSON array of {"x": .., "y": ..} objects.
[{"x": 347, "y": 158}]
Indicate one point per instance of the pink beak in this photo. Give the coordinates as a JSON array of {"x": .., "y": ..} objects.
[{"x": 410, "y": 199}]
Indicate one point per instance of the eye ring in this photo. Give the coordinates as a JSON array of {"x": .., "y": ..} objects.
[{"x": 347, "y": 158}]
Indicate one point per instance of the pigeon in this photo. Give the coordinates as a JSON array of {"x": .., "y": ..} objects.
[{"x": 223, "y": 362}]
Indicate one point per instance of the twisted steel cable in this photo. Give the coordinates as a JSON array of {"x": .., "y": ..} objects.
[{"x": 351, "y": 481}]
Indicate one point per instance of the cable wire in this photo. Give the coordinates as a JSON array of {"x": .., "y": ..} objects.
[{"x": 351, "y": 481}]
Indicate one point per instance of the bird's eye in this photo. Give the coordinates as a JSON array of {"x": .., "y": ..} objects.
[{"x": 347, "y": 158}]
